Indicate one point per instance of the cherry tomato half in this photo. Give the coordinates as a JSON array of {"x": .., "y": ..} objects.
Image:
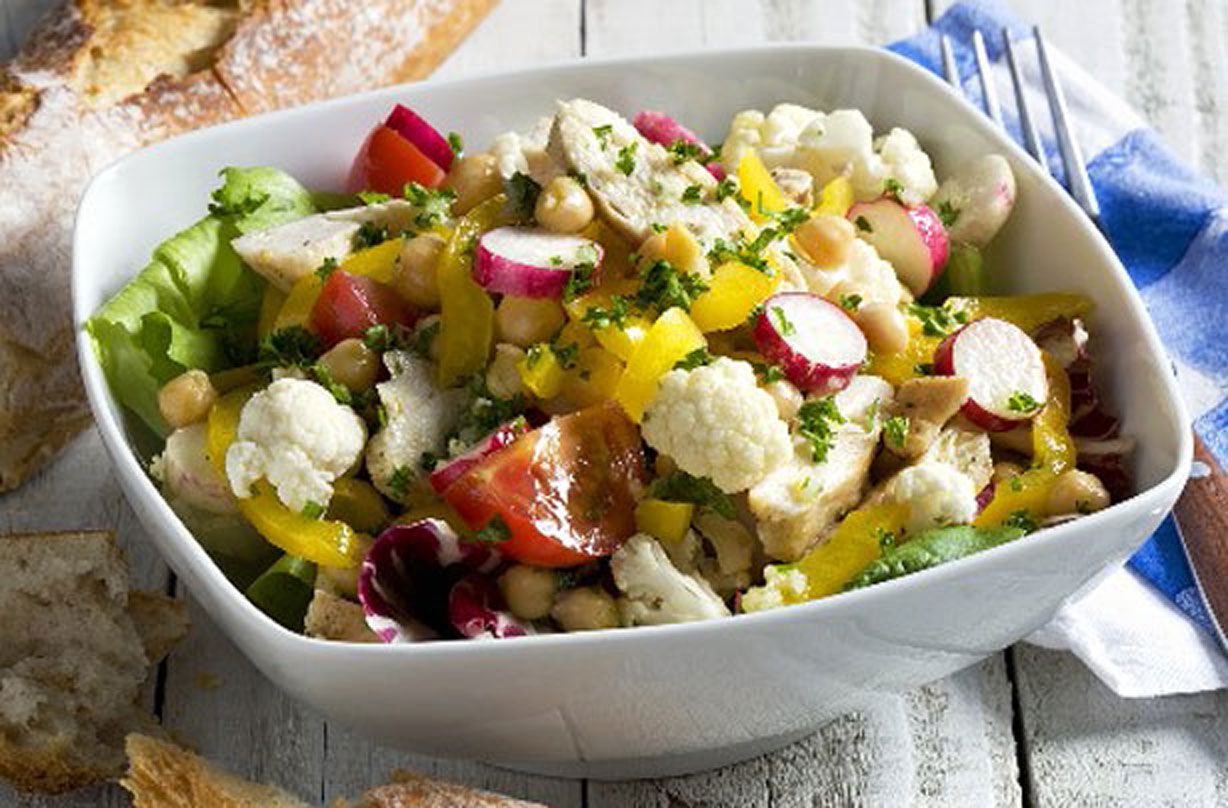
[
  {"x": 350, "y": 304},
  {"x": 387, "y": 161}
]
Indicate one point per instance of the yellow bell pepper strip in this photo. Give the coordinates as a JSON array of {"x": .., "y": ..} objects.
[
  {"x": 899, "y": 367},
  {"x": 667, "y": 521},
  {"x": 733, "y": 291},
  {"x": 623, "y": 341},
  {"x": 1028, "y": 312},
  {"x": 682, "y": 249},
  {"x": 541, "y": 373},
  {"x": 270, "y": 307},
  {"x": 757, "y": 187},
  {"x": 357, "y": 503},
  {"x": 620, "y": 340},
  {"x": 671, "y": 337},
  {"x": 825, "y": 570},
  {"x": 467, "y": 312},
  {"x": 576, "y": 333},
  {"x": 332, "y": 544},
  {"x": 593, "y": 379},
  {"x": 376, "y": 262},
  {"x": 835, "y": 198}
]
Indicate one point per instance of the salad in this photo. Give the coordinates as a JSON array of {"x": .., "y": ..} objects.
[{"x": 603, "y": 374}]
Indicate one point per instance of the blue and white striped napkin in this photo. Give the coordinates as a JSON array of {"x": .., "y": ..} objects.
[{"x": 1145, "y": 630}]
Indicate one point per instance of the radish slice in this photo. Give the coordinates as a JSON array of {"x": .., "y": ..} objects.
[
  {"x": 911, "y": 239},
  {"x": 814, "y": 342},
  {"x": 449, "y": 472},
  {"x": 411, "y": 126},
  {"x": 1004, "y": 369},
  {"x": 528, "y": 262},
  {"x": 663, "y": 130}
]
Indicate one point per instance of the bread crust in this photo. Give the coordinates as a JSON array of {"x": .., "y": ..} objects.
[{"x": 100, "y": 78}]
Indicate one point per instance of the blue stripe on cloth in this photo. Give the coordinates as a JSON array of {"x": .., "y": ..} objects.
[
  {"x": 1152, "y": 206},
  {"x": 1162, "y": 562},
  {"x": 1156, "y": 212}
]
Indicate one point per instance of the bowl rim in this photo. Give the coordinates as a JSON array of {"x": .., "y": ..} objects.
[{"x": 268, "y": 630}]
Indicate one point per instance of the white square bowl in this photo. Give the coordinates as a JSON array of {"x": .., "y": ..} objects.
[{"x": 670, "y": 699}]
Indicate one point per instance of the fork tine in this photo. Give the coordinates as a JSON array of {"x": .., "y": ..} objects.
[
  {"x": 988, "y": 88},
  {"x": 1031, "y": 137},
  {"x": 948, "y": 63},
  {"x": 1072, "y": 156}
]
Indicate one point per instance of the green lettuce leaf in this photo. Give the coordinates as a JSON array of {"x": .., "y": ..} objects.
[{"x": 195, "y": 304}]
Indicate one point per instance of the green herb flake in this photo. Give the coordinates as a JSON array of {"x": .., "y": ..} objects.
[
  {"x": 522, "y": 193},
  {"x": 1023, "y": 520},
  {"x": 290, "y": 347},
  {"x": 1023, "y": 402},
  {"x": 424, "y": 336},
  {"x": 313, "y": 510},
  {"x": 373, "y": 197},
  {"x": 937, "y": 321},
  {"x": 493, "y": 532},
  {"x": 377, "y": 338},
  {"x": 948, "y": 213},
  {"x": 885, "y": 538},
  {"x": 683, "y": 150},
  {"x": 767, "y": 373},
  {"x": 695, "y": 359},
  {"x": 663, "y": 286},
  {"x": 603, "y": 133},
  {"x": 369, "y": 235},
  {"x": 683, "y": 487},
  {"x": 693, "y": 195},
  {"x": 816, "y": 419},
  {"x": 326, "y": 268},
  {"x": 892, "y": 187},
  {"x": 895, "y": 430},
  {"x": 626, "y": 158},
  {"x": 400, "y": 481},
  {"x": 850, "y": 302},
  {"x": 434, "y": 204},
  {"x": 456, "y": 143},
  {"x": 339, "y": 391},
  {"x": 726, "y": 188},
  {"x": 783, "y": 325},
  {"x": 614, "y": 315},
  {"x": 863, "y": 224}
]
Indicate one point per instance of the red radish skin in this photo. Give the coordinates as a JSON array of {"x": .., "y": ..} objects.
[
  {"x": 999, "y": 360},
  {"x": 530, "y": 262},
  {"x": 659, "y": 128},
  {"x": 448, "y": 473},
  {"x": 411, "y": 126},
  {"x": 911, "y": 239},
  {"x": 814, "y": 342}
]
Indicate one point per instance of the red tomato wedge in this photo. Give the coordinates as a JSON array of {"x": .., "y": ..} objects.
[
  {"x": 387, "y": 161},
  {"x": 350, "y": 304},
  {"x": 566, "y": 491}
]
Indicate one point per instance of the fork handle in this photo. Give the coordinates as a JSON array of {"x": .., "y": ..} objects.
[{"x": 1202, "y": 519}]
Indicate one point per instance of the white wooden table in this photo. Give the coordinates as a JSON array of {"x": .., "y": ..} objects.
[{"x": 1027, "y": 727}]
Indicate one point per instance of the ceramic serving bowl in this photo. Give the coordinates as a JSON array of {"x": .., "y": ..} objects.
[{"x": 669, "y": 699}]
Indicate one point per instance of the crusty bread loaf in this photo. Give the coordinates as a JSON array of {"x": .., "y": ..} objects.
[
  {"x": 103, "y": 77},
  {"x": 75, "y": 647},
  {"x": 163, "y": 775}
]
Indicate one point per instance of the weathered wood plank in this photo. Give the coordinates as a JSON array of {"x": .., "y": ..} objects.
[{"x": 1088, "y": 747}]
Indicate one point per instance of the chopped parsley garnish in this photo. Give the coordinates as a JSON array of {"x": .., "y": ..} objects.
[
  {"x": 1021, "y": 519},
  {"x": 1016, "y": 483},
  {"x": 373, "y": 197},
  {"x": 683, "y": 487},
  {"x": 626, "y": 158},
  {"x": 695, "y": 359},
  {"x": 326, "y": 268},
  {"x": 923, "y": 369},
  {"x": 726, "y": 188},
  {"x": 742, "y": 252},
  {"x": 681, "y": 151},
  {"x": 579, "y": 281},
  {"x": 767, "y": 373},
  {"x": 378, "y": 338},
  {"x": 863, "y": 224},
  {"x": 693, "y": 195},
  {"x": 456, "y": 142},
  {"x": 485, "y": 411},
  {"x": 434, "y": 204},
  {"x": 493, "y": 532},
  {"x": 657, "y": 227},
  {"x": 313, "y": 510},
  {"x": 290, "y": 347},
  {"x": 948, "y": 213},
  {"x": 556, "y": 260},
  {"x": 564, "y": 355},
  {"x": 885, "y": 538},
  {"x": 522, "y": 193},
  {"x": 663, "y": 286},
  {"x": 370, "y": 234},
  {"x": 423, "y": 336},
  {"x": 895, "y": 430},
  {"x": 892, "y": 187},
  {"x": 428, "y": 461},
  {"x": 1022, "y": 402},
  {"x": 789, "y": 220},
  {"x": 603, "y": 133},
  {"x": 400, "y": 481},
  {"x": 815, "y": 420},
  {"x": 598, "y": 317},
  {"x": 783, "y": 325},
  {"x": 937, "y": 321},
  {"x": 340, "y": 392},
  {"x": 850, "y": 302}
]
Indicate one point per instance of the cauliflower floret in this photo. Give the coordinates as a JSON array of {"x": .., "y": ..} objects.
[
  {"x": 842, "y": 143},
  {"x": 655, "y": 592},
  {"x": 774, "y": 136},
  {"x": 863, "y": 273},
  {"x": 936, "y": 494},
  {"x": 294, "y": 434},
  {"x": 908, "y": 165},
  {"x": 420, "y": 416},
  {"x": 715, "y": 422},
  {"x": 782, "y": 586},
  {"x": 187, "y": 476}
]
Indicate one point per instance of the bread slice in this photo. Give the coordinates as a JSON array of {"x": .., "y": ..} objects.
[
  {"x": 163, "y": 775},
  {"x": 101, "y": 78},
  {"x": 75, "y": 648}
]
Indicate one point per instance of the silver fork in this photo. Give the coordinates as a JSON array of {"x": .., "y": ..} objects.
[{"x": 1202, "y": 511}]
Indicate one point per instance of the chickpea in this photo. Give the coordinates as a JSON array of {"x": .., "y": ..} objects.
[
  {"x": 524, "y": 321},
  {"x": 787, "y": 397},
  {"x": 584, "y": 609},
  {"x": 563, "y": 206},
  {"x": 1004, "y": 471},
  {"x": 529, "y": 591},
  {"x": 351, "y": 363},
  {"x": 884, "y": 327},
  {"x": 503, "y": 377},
  {"x": 414, "y": 276},
  {"x": 186, "y": 399},
  {"x": 475, "y": 178},
  {"x": 826, "y": 240},
  {"x": 1077, "y": 491}
]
